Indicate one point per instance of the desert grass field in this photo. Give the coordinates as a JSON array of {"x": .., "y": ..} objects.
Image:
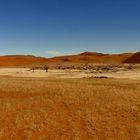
[{"x": 69, "y": 109}]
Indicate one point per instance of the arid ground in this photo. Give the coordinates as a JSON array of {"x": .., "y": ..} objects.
[
  {"x": 70, "y": 73},
  {"x": 74, "y": 100},
  {"x": 69, "y": 109}
]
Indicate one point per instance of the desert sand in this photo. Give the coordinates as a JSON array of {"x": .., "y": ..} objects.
[
  {"x": 26, "y": 72},
  {"x": 85, "y": 57},
  {"x": 70, "y": 101}
]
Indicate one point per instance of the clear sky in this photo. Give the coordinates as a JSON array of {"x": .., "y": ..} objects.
[{"x": 55, "y": 27}]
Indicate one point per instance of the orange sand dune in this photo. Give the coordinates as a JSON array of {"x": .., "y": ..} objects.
[
  {"x": 86, "y": 57},
  {"x": 93, "y": 57},
  {"x": 20, "y": 60},
  {"x": 133, "y": 59}
]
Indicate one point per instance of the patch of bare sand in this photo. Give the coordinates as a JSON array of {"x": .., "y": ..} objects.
[
  {"x": 25, "y": 72},
  {"x": 131, "y": 74}
]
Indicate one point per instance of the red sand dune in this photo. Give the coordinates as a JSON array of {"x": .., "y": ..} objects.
[
  {"x": 133, "y": 59},
  {"x": 92, "y": 57},
  {"x": 86, "y": 57},
  {"x": 20, "y": 60}
]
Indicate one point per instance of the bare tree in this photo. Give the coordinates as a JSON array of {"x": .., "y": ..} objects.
[
  {"x": 33, "y": 69},
  {"x": 46, "y": 68}
]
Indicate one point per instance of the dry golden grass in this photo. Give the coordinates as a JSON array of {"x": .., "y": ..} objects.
[{"x": 69, "y": 109}]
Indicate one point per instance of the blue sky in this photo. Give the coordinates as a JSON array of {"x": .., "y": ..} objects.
[{"x": 57, "y": 27}]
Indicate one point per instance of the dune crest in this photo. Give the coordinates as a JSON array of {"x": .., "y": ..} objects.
[{"x": 85, "y": 57}]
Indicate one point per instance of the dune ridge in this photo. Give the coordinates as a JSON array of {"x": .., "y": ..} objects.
[{"x": 85, "y": 57}]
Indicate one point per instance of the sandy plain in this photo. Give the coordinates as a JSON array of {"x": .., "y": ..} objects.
[
  {"x": 69, "y": 105},
  {"x": 26, "y": 72}
]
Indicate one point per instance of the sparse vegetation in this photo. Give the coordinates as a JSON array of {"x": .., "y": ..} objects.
[
  {"x": 46, "y": 68},
  {"x": 74, "y": 109}
]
